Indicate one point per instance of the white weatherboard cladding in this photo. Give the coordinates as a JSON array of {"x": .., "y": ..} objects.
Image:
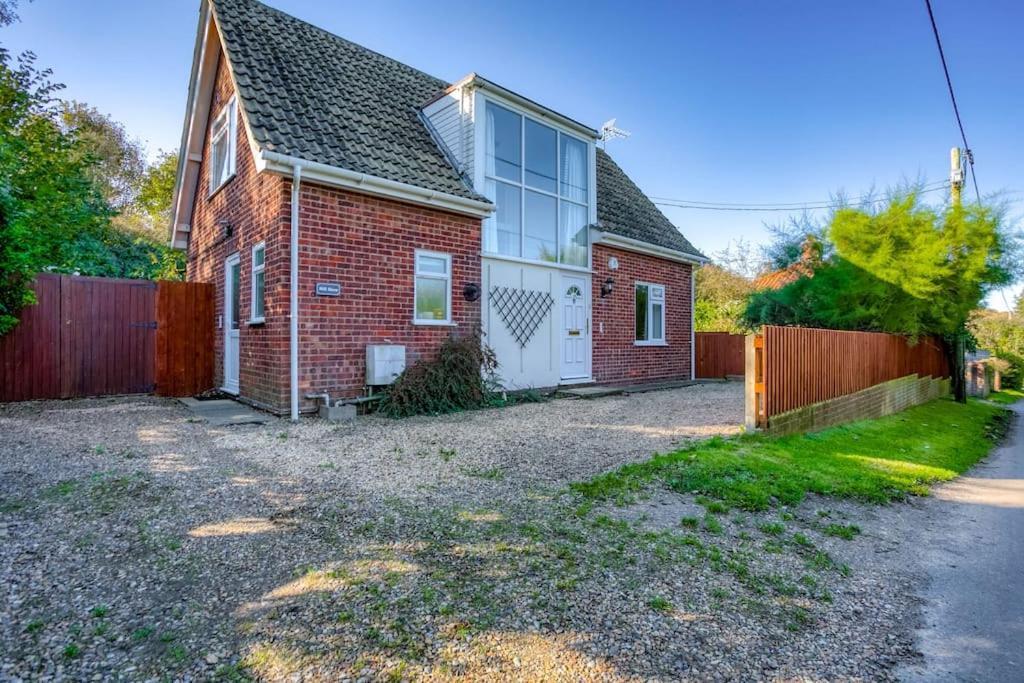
[
  {"x": 451, "y": 117},
  {"x": 538, "y": 363}
]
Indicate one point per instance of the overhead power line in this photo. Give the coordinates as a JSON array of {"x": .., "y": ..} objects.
[
  {"x": 708, "y": 206},
  {"x": 797, "y": 205},
  {"x": 952, "y": 96}
]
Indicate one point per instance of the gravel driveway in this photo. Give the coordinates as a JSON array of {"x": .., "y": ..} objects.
[{"x": 137, "y": 543}]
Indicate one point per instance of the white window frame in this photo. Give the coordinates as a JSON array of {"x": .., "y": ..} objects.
[
  {"x": 446, "y": 278},
  {"x": 226, "y": 123},
  {"x": 523, "y": 187},
  {"x": 253, "y": 270},
  {"x": 651, "y": 286}
]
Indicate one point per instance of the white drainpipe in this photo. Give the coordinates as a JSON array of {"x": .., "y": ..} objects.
[
  {"x": 693, "y": 333},
  {"x": 294, "y": 287}
]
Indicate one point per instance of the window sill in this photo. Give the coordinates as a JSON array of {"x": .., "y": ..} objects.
[
  {"x": 220, "y": 187},
  {"x": 257, "y": 322},
  {"x": 650, "y": 343},
  {"x": 434, "y": 323}
]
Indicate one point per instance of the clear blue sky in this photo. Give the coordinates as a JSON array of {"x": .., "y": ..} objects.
[{"x": 727, "y": 101}]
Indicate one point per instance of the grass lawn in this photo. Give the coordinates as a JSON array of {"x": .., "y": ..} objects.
[
  {"x": 1006, "y": 396},
  {"x": 872, "y": 460}
]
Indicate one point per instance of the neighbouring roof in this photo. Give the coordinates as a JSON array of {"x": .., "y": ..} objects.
[
  {"x": 313, "y": 95},
  {"x": 623, "y": 209},
  {"x": 810, "y": 256},
  {"x": 310, "y": 94}
]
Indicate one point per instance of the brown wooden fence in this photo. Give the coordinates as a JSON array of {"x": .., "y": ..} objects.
[
  {"x": 794, "y": 367},
  {"x": 719, "y": 354},
  {"x": 89, "y": 336}
]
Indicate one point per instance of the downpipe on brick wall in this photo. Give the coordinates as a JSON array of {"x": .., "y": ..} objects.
[{"x": 293, "y": 345}]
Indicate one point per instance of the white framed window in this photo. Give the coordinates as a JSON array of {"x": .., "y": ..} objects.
[
  {"x": 259, "y": 284},
  {"x": 433, "y": 288},
  {"x": 650, "y": 314},
  {"x": 538, "y": 178},
  {"x": 223, "y": 134}
]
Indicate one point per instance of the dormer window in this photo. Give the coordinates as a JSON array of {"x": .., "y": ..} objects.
[
  {"x": 223, "y": 134},
  {"x": 538, "y": 178}
]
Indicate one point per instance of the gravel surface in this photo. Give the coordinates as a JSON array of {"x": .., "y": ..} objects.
[{"x": 137, "y": 544}]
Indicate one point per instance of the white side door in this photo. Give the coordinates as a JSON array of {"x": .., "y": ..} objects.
[
  {"x": 232, "y": 287},
  {"x": 575, "y": 327}
]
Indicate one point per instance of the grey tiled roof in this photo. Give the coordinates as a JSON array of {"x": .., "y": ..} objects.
[
  {"x": 623, "y": 209},
  {"x": 311, "y": 94}
]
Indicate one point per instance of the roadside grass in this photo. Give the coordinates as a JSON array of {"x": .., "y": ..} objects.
[
  {"x": 872, "y": 460},
  {"x": 1006, "y": 396}
]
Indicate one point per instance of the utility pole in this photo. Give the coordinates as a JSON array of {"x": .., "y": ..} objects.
[
  {"x": 956, "y": 175},
  {"x": 956, "y": 184}
]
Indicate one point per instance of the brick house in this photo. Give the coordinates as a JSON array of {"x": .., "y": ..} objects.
[{"x": 339, "y": 199}]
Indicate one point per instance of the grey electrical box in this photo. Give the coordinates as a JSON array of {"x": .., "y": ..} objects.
[{"x": 384, "y": 362}]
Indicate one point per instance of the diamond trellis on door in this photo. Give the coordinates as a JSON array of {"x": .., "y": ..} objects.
[{"x": 522, "y": 310}]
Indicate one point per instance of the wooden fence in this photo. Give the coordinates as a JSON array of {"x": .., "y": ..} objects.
[
  {"x": 791, "y": 367},
  {"x": 89, "y": 336},
  {"x": 719, "y": 354}
]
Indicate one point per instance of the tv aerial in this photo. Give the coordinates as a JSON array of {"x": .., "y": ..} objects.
[{"x": 609, "y": 131}]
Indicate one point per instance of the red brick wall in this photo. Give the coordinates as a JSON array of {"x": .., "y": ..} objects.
[
  {"x": 367, "y": 244},
  {"x": 616, "y": 357},
  {"x": 254, "y": 206}
]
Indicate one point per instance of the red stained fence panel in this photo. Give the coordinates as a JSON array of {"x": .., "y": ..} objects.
[
  {"x": 719, "y": 354},
  {"x": 798, "y": 366},
  {"x": 89, "y": 336}
]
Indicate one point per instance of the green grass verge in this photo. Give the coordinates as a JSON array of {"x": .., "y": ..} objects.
[
  {"x": 872, "y": 460},
  {"x": 1006, "y": 396}
]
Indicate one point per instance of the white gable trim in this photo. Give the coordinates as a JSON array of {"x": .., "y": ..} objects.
[{"x": 639, "y": 247}]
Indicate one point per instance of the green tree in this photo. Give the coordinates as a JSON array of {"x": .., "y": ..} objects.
[
  {"x": 47, "y": 197},
  {"x": 157, "y": 192},
  {"x": 118, "y": 162},
  {"x": 1001, "y": 334},
  {"x": 906, "y": 269}
]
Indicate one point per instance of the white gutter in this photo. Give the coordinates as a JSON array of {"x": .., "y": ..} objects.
[
  {"x": 369, "y": 184},
  {"x": 640, "y": 247},
  {"x": 294, "y": 287}
]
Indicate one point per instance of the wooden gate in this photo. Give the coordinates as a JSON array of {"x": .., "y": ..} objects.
[
  {"x": 88, "y": 336},
  {"x": 719, "y": 354}
]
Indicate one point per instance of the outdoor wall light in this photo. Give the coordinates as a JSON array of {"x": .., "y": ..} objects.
[
  {"x": 607, "y": 287},
  {"x": 471, "y": 291},
  {"x": 226, "y": 228}
]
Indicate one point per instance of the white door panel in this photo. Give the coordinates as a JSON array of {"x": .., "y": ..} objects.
[
  {"x": 232, "y": 322},
  {"x": 575, "y": 297}
]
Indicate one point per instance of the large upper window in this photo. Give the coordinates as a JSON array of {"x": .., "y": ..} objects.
[
  {"x": 223, "y": 134},
  {"x": 538, "y": 179},
  {"x": 650, "y": 313}
]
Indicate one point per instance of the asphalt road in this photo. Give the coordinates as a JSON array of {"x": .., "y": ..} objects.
[{"x": 973, "y": 552}]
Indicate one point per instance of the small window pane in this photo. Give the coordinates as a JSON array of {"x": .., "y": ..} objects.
[
  {"x": 575, "y": 177},
  {"x": 541, "y": 156},
  {"x": 540, "y": 227},
  {"x": 573, "y": 231},
  {"x": 257, "y": 256},
  {"x": 258, "y": 288},
  {"x": 502, "y": 232},
  {"x": 641, "y": 312},
  {"x": 504, "y": 143},
  {"x": 431, "y": 299},
  {"x": 656, "y": 331},
  {"x": 432, "y": 264},
  {"x": 236, "y": 270}
]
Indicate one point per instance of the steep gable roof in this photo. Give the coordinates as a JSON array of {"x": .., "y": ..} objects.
[
  {"x": 310, "y": 94},
  {"x": 624, "y": 210}
]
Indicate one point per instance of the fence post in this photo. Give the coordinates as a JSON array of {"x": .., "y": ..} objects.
[{"x": 750, "y": 383}]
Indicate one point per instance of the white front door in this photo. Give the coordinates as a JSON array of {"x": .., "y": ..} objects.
[
  {"x": 575, "y": 327},
  {"x": 232, "y": 275}
]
